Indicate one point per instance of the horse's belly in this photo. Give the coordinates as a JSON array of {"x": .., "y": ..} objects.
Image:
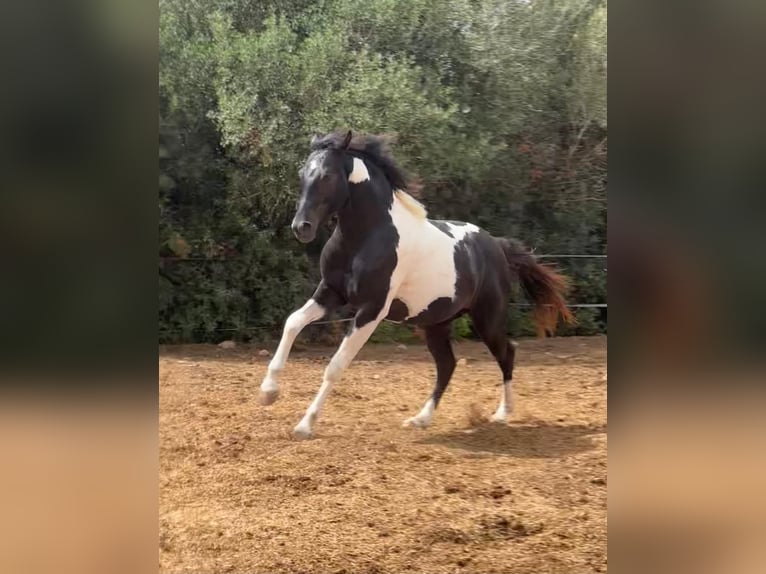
[{"x": 425, "y": 287}]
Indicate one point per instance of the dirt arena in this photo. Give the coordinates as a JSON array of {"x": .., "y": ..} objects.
[{"x": 238, "y": 494}]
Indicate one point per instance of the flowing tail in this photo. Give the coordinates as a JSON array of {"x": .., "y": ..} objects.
[{"x": 544, "y": 286}]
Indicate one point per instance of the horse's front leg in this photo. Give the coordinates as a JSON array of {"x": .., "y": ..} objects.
[
  {"x": 365, "y": 322},
  {"x": 323, "y": 301}
]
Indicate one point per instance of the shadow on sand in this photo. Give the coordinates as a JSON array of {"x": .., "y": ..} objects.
[{"x": 538, "y": 439}]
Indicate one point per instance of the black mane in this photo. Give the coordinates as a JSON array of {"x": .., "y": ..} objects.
[{"x": 373, "y": 147}]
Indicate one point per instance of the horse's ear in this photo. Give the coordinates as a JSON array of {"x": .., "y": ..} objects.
[
  {"x": 315, "y": 138},
  {"x": 347, "y": 140}
]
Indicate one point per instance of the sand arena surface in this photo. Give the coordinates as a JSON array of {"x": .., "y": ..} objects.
[{"x": 238, "y": 494}]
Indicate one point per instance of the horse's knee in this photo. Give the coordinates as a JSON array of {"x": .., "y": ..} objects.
[
  {"x": 334, "y": 370},
  {"x": 294, "y": 323}
]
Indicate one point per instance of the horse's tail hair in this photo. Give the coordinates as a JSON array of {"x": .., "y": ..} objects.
[{"x": 544, "y": 286}]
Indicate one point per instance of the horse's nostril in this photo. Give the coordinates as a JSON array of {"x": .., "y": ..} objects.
[{"x": 302, "y": 230}]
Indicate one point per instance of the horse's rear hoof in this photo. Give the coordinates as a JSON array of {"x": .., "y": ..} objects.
[
  {"x": 302, "y": 434},
  {"x": 267, "y": 398}
]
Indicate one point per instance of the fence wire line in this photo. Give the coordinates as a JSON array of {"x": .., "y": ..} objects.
[
  {"x": 225, "y": 259},
  {"x": 572, "y": 256},
  {"x": 347, "y": 319}
]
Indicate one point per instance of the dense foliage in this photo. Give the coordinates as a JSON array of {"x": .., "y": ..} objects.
[{"x": 498, "y": 106}]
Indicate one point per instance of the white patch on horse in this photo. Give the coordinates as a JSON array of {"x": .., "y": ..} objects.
[
  {"x": 359, "y": 173},
  {"x": 506, "y": 404},
  {"x": 425, "y": 258},
  {"x": 460, "y": 231},
  {"x": 295, "y": 323},
  {"x": 424, "y": 417},
  {"x": 413, "y": 205}
]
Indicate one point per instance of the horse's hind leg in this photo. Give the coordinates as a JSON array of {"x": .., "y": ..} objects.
[
  {"x": 324, "y": 300},
  {"x": 438, "y": 341},
  {"x": 505, "y": 407},
  {"x": 489, "y": 318}
]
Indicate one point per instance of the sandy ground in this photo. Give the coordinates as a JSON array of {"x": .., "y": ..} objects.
[{"x": 238, "y": 494}]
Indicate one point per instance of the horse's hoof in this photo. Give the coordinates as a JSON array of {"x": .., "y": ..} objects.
[
  {"x": 267, "y": 398},
  {"x": 301, "y": 433},
  {"x": 415, "y": 422},
  {"x": 499, "y": 419}
]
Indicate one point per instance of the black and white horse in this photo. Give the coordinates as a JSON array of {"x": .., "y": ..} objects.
[{"x": 387, "y": 260}]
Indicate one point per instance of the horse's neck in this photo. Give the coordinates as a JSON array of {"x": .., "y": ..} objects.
[{"x": 368, "y": 208}]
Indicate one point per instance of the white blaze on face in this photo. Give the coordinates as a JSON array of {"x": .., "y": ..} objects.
[
  {"x": 426, "y": 259},
  {"x": 359, "y": 173},
  {"x": 314, "y": 165}
]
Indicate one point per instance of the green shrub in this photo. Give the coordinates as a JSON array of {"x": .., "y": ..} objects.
[
  {"x": 462, "y": 328},
  {"x": 504, "y": 128},
  {"x": 388, "y": 332}
]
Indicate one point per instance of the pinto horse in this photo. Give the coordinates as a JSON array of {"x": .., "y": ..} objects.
[{"x": 387, "y": 260}]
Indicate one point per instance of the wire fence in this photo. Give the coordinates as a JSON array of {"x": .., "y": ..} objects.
[
  {"x": 267, "y": 328},
  {"x": 570, "y": 256}
]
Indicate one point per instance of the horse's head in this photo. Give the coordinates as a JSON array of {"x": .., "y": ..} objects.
[{"x": 324, "y": 187}]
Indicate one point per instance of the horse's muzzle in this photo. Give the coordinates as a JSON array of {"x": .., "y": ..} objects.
[{"x": 304, "y": 231}]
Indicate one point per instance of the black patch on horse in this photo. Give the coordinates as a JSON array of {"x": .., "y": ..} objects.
[
  {"x": 398, "y": 311},
  {"x": 441, "y": 226}
]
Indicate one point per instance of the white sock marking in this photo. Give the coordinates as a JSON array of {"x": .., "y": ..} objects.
[
  {"x": 424, "y": 417},
  {"x": 348, "y": 349},
  {"x": 295, "y": 323},
  {"x": 506, "y": 403}
]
